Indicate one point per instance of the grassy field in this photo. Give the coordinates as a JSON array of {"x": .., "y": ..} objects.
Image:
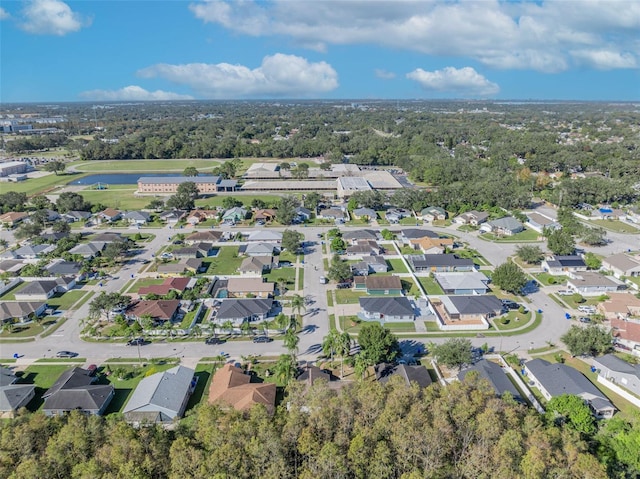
[
  {"x": 116, "y": 198},
  {"x": 66, "y": 300},
  {"x": 226, "y": 263},
  {"x": 33, "y": 186},
  {"x": 145, "y": 165},
  {"x": 397, "y": 266},
  {"x": 430, "y": 285},
  {"x": 616, "y": 225},
  {"x": 348, "y": 296}
]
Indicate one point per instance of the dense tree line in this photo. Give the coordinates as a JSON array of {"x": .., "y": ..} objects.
[{"x": 367, "y": 430}]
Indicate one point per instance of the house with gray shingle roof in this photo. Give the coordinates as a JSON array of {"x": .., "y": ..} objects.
[
  {"x": 34, "y": 251},
  {"x": 506, "y": 226},
  {"x": 386, "y": 309},
  {"x": 557, "y": 379},
  {"x": 137, "y": 217},
  {"x": 618, "y": 371},
  {"x": 622, "y": 264},
  {"x": 361, "y": 235},
  {"x": 75, "y": 390},
  {"x": 244, "y": 310},
  {"x": 89, "y": 250},
  {"x": 409, "y": 374},
  {"x": 472, "y": 282},
  {"x": 363, "y": 213},
  {"x": 258, "y": 249},
  {"x": 13, "y": 397},
  {"x": 495, "y": 375},
  {"x": 43, "y": 289},
  {"x": 21, "y": 311},
  {"x": 560, "y": 265},
  {"x": 161, "y": 398}
]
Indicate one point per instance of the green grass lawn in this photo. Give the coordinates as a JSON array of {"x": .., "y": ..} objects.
[
  {"x": 301, "y": 279},
  {"x": 11, "y": 294},
  {"x": 348, "y": 296},
  {"x": 22, "y": 331},
  {"x": 145, "y": 165},
  {"x": 66, "y": 300},
  {"x": 573, "y": 304},
  {"x": 226, "y": 263},
  {"x": 119, "y": 199},
  {"x": 144, "y": 282},
  {"x": 547, "y": 279},
  {"x": 409, "y": 221},
  {"x": 616, "y": 225},
  {"x": 32, "y": 186},
  {"x": 288, "y": 274},
  {"x": 287, "y": 256},
  {"x": 213, "y": 201},
  {"x": 515, "y": 320},
  {"x": 43, "y": 376},
  {"x": 634, "y": 279},
  {"x": 410, "y": 287},
  {"x": 329, "y": 298},
  {"x": 430, "y": 285},
  {"x": 397, "y": 266},
  {"x": 526, "y": 235}
]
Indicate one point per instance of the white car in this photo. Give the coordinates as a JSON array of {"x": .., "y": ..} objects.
[
  {"x": 587, "y": 309},
  {"x": 565, "y": 292}
]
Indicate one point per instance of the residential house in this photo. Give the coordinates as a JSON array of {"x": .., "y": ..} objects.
[
  {"x": 619, "y": 305},
  {"x": 7, "y": 376},
  {"x": 336, "y": 214},
  {"x": 198, "y": 250},
  {"x": 590, "y": 283},
  {"x": 386, "y": 309},
  {"x": 267, "y": 215},
  {"x": 364, "y": 214},
  {"x": 241, "y": 287},
  {"x": 495, "y": 375},
  {"x": 469, "y": 283},
  {"x": 43, "y": 289},
  {"x": 622, "y": 264},
  {"x": 256, "y": 265},
  {"x": 608, "y": 213},
  {"x": 14, "y": 397},
  {"x": 465, "y": 310},
  {"x": 433, "y": 263},
  {"x": 507, "y": 226},
  {"x": 53, "y": 237},
  {"x": 161, "y": 398},
  {"x": 8, "y": 254},
  {"x": 60, "y": 267},
  {"x": 194, "y": 265},
  {"x": 160, "y": 310},
  {"x": 169, "y": 284},
  {"x": 618, "y": 371},
  {"x": 11, "y": 267},
  {"x": 75, "y": 391},
  {"x": 557, "y": 379},
  {"x": 88, "y": 250},
  {"x": 234, "y": 214},
  {"x": 207, "y": 236},
  {"x": 76, "y": 216},
  {"x": 12, "y": 219},
  {"x": 108, "y": 237},
  {"x": 311, "y": 374},
  {"x": 409, "y": 234},
  {"x": 626, "y": 332},
  {"x": 264, "y": 236},
  {"x": 353, "y": 237},
  {"x": 109, "y": 215},
  {"x": 541, "y": 223},
  {"x": 378, "y": 285},
  {"x": 433, "y": 213},
  {"x": 559, "y": 265},
  {"x": 137, "y": 217},
  {"x": 171, "y": 216},
  {"x": 432, "y": 245},
  {"x": 231, "y": 387},
  {"x": 370, "y": 264},
  {"x": 34, "y": 251},
  {"x": 408, "y": 374},
  {"x": 21, "y": 311},
  {"x": 198, "y": 216},
  {"x": 364, "y": 248},
  {"x": 51, "y": 215},
  {"x": 473, "y": 218},
  {"x": 239, "y": 311},
  {"x": 258, "y": 249},
  {"x": 303, "y": 214},
  {"x": 394, "y": 215}
]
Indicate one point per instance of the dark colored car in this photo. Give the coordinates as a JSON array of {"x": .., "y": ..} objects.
[
  {"x": 66, "y": 354},
  {"x": 136, "y": 342},
  {"x": 93, "y": 369},
  {"x": 262, "y": 339},
  {"x": 584, "y": 319},
  {"x": 510, "y": 304},
  {"x": 214, "y": 341}
]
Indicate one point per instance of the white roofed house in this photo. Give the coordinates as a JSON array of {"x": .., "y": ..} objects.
[
  {"x": 161, "y": 398},
  {"x": 507, "y": 226},
  {"x": 470, "y": 283},
  {"x": 618, "y": 371},
  {"x": 589, "y": 283},
  {"x": 264, "y": 236},
  {"x": 137, "y": 217}
]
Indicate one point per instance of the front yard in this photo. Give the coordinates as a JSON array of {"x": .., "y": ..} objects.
[
  {"x": 348, "y": 296},
  {"x": 526, "y": 235},
  {"x": 226, "y": 262}
]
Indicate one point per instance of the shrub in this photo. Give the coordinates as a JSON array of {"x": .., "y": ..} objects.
[{"x": 578, "y": 298}]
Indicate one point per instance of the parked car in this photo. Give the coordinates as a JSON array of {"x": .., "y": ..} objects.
[
  {"x": 66, "y": 354},
  {"x": 507, "y": 303},
  {"x": 587, "y": 309},
  {"x": 214, "y": 341},
  {"x": 565, "y": 292},
  {"x": 584, "y": 319},
  {"x": 323, "y": 280},
  {"x": 93, "y": 369},
  {"x": 262, "y": 339},
  {"x": 136, "y": 342}
]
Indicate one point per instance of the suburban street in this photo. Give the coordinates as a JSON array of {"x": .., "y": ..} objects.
[{"x": 315, "y": 319}]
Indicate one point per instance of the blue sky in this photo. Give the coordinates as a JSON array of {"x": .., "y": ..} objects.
[{"x": 101, "y": 50}]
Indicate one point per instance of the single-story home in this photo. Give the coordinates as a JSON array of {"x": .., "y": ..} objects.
[
  {"x": 13, "y": 397},
  {"x": 109, "y": 215},
  {"x": 176, "y": 284},
  {"x": 386, "y": 309},
  {"x": 469, "y": 283},
  {"x": 234, "y": 214},
  {"x": 433, "y": 213},
  {"x": 333, "y": 214},
  {"x": 266, "y": 214},
  {"x": 207, "y": 236},
  {"x": 34, "y": 251},
  {"x": 465, "y": 309},
  {"x": 249, "y": 310},
  {"x": 60, "y": 267},
  {"x": 589, "y": 283},
  {"x": 370, "y": 264},
  {"x": 76, "y": 216},
  {"x": 231, "y": 387},
  {"x": 88, "y": 250},
  {"x": 353, "y": 237},
  {"x": 409, "y": 374},
  {"x": 21, "y": 311},
  {"x": 75, "y": 390},
  {"x": 12, "y": 218},
  {"x": 559, "y": 265},
  {"x": 108, "y": 237},
  {"x": 54, "y": 237},
  {"x": 473, "y": 218},
  {"x": 622, "y": 264},
  {"x": 197, "y": 250},
  {"x": 506, "y": 226},
  {"x": 43, "y": 289},
  {"x": 161, "y": 398},
  {"x": 432, "y": 245},
  {"x": 495, "y": 375},
  {"x": 258, "y": 249},
  {"x": 433, "y": 263},
  {"x": 378, "y": 285},
  {"x": 541, "y": 223},
  {"x": 619, "y": 305},
  {"x": 160, "y": 310},
  {"x": 303, "y": 214},
  {"x": 618, "y": 371},
  {"x": 264, "y": 236},
  {"x": 171, "y": 216},
  {"x": 194, "y": 265},
  {"x": 394, "y": 215},
  {"x": 137, "y": 217},
  {"x": 11, "y": 266},
  {"x": 557, "y": 379},
  {"x": 256, "y": 265},
  {"x": 627, "y": 333},
  {"x": 198, "y": 216},
  {"x": 364, "y": 248},
  {"x": 241, "y": 287},
  {"x": 364, "y": 213}
]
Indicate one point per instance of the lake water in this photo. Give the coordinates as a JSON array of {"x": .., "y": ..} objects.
[{"x": 117, "y": 178}]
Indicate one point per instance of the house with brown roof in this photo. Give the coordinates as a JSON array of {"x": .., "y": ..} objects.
[
  {"x": 432, "y": 245},
  {"x": 231, "y": 387},
  {"x": 619, "y": 305},
  {"x": 364, "y": 248},
  {"x": 176, "y": 284},
  {"x": 267, "y": 214},
  {"x": 590, "y": 283},
  {"x": 622, "y": 264},
  {"x": 109, "y": 215},
  {"x": 627, "y": 333},
  {"x": 473, "y": 218},
  {"x": 208, "y": 236},
  {"x": 12, "y": 218},
  {"x": 241, "y": 287},
  {"x": 160, "y": 310},
  {"x": 198, "y": 216},
  {"x": 379, "y": 285},
  {"x": 256, "y": 265}
]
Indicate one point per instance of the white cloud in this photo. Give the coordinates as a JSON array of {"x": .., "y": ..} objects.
[
  {"x": 461, "y": 81},
  {"x": 605, "y": 59},
  {"x": 133, "y": 93},
  {"x": 384, "y": 74},
  {"x": 4, "y": 14},
  {"x": 51, "y": 17},
  {"x": 540, "y": 36},
  {"x": 279, "y": 75}
]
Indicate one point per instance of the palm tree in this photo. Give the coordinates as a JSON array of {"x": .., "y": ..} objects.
[
  {"x": 282, "y": 285},
  {"x": 291, "y": 341},
  {"x": 228, "y": 326},
  {"x": 297, "y": 303},
  {"x": 245, "y": 327},
  {"x": 361, "y": 365},
  {"x": 330, "y": 343},
  {"x": 285, "y": 368},
  {"x": 3, "y": 243},
  {"x": 282, "y": 321},
  {"x": 196, "y": 331},
  {"x": 343, "y": 349}
]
